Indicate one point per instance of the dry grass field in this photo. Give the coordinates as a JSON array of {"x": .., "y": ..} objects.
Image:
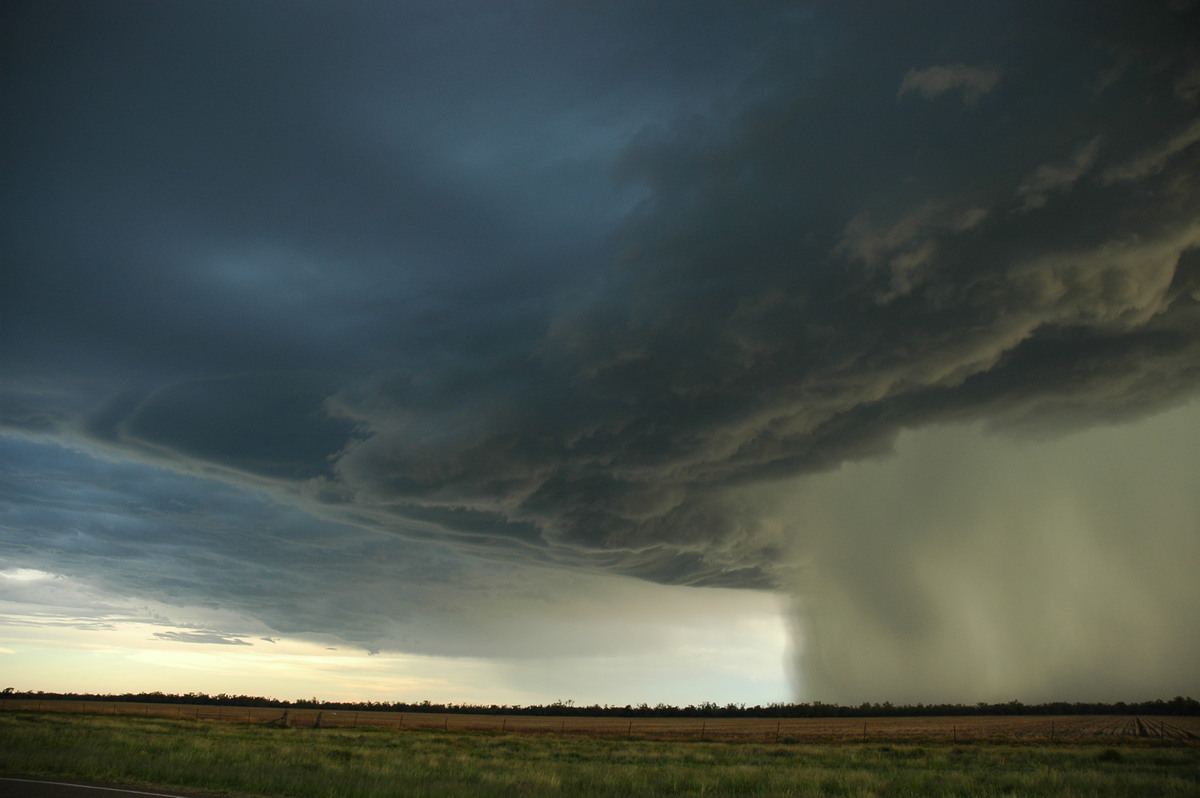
[{"x": 809, "y": 730}]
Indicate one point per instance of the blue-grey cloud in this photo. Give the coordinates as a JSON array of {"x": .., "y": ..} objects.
[
  {"x": 754, "y": 328},
  {"x": 553, "y": 287}
]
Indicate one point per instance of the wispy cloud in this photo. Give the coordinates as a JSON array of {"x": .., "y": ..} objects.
[
  {"x": 203, "y": 638},
  {"x": 1153, "y": 160},
  {"x": 972, "y": 82},
  {"x": 1058, "y": 177}
]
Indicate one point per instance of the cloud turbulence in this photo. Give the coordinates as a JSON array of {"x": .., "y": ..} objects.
[{"x": 890, "y": 310}]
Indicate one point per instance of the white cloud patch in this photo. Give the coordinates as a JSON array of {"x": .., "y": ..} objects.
[{"x": 26, "y": 575}]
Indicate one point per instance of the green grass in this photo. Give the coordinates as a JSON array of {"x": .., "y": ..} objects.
[{"x": 364, "y": 763}]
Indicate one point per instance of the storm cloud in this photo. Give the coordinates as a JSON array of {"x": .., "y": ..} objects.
[{"x": 290, "y": 289}]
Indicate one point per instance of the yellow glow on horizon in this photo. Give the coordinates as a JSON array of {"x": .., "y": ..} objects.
[
  {"x": 701, "y": 655},
  {"x": 129, "y": 658}
]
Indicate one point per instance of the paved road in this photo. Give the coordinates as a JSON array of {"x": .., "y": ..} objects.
[{"x": 14, "y": 787}]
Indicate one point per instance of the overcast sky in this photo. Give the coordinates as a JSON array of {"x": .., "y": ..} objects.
[{"x": 616, "y": 352}]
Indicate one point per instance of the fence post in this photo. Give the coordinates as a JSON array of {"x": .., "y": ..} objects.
[
  {"x": 777, "y": 724},
  {"x": 864, "y": 732},
  {"x": 630, "y": 731}
]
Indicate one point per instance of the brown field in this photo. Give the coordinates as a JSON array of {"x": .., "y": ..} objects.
[{"x": 895, "y": 729}]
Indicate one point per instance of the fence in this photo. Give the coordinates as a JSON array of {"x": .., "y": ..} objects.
[{"x": 889, "y": 729}]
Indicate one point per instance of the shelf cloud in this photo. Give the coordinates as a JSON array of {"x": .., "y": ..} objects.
[{"x": 348, "y": 322}]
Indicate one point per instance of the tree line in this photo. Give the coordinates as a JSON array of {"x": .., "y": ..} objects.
[{"x": 1177, "y": 706}]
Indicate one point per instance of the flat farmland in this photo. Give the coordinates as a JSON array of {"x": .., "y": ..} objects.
[
  {"x": 878, "y": 729},
  {"x": 586, "y": 757}
]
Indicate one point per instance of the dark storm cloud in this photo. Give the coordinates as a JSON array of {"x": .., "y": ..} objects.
[
  {"x": 814, "y": 271},
  {"x": 550, "y": 283},
  {"x": 205, "y": 192},
  {"x": 270, "y": 186}
]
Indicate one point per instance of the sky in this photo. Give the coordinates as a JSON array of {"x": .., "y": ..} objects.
[{"x": 524, "y": 351}]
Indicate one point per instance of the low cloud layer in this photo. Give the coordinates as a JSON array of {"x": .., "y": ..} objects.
[
  {"x": 202, "y": 638},
  {"x": 505, "y": 288}
]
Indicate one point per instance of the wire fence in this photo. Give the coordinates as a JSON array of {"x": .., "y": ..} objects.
[{"x": 788, "y": 730}]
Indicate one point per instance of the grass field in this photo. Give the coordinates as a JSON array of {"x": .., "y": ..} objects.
[
  {"x": 810, "y": 730},
  {"x": 257, "y": 760}
]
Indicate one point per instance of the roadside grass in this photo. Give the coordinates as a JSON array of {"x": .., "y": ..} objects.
[{"x": 370, "y": 763}]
